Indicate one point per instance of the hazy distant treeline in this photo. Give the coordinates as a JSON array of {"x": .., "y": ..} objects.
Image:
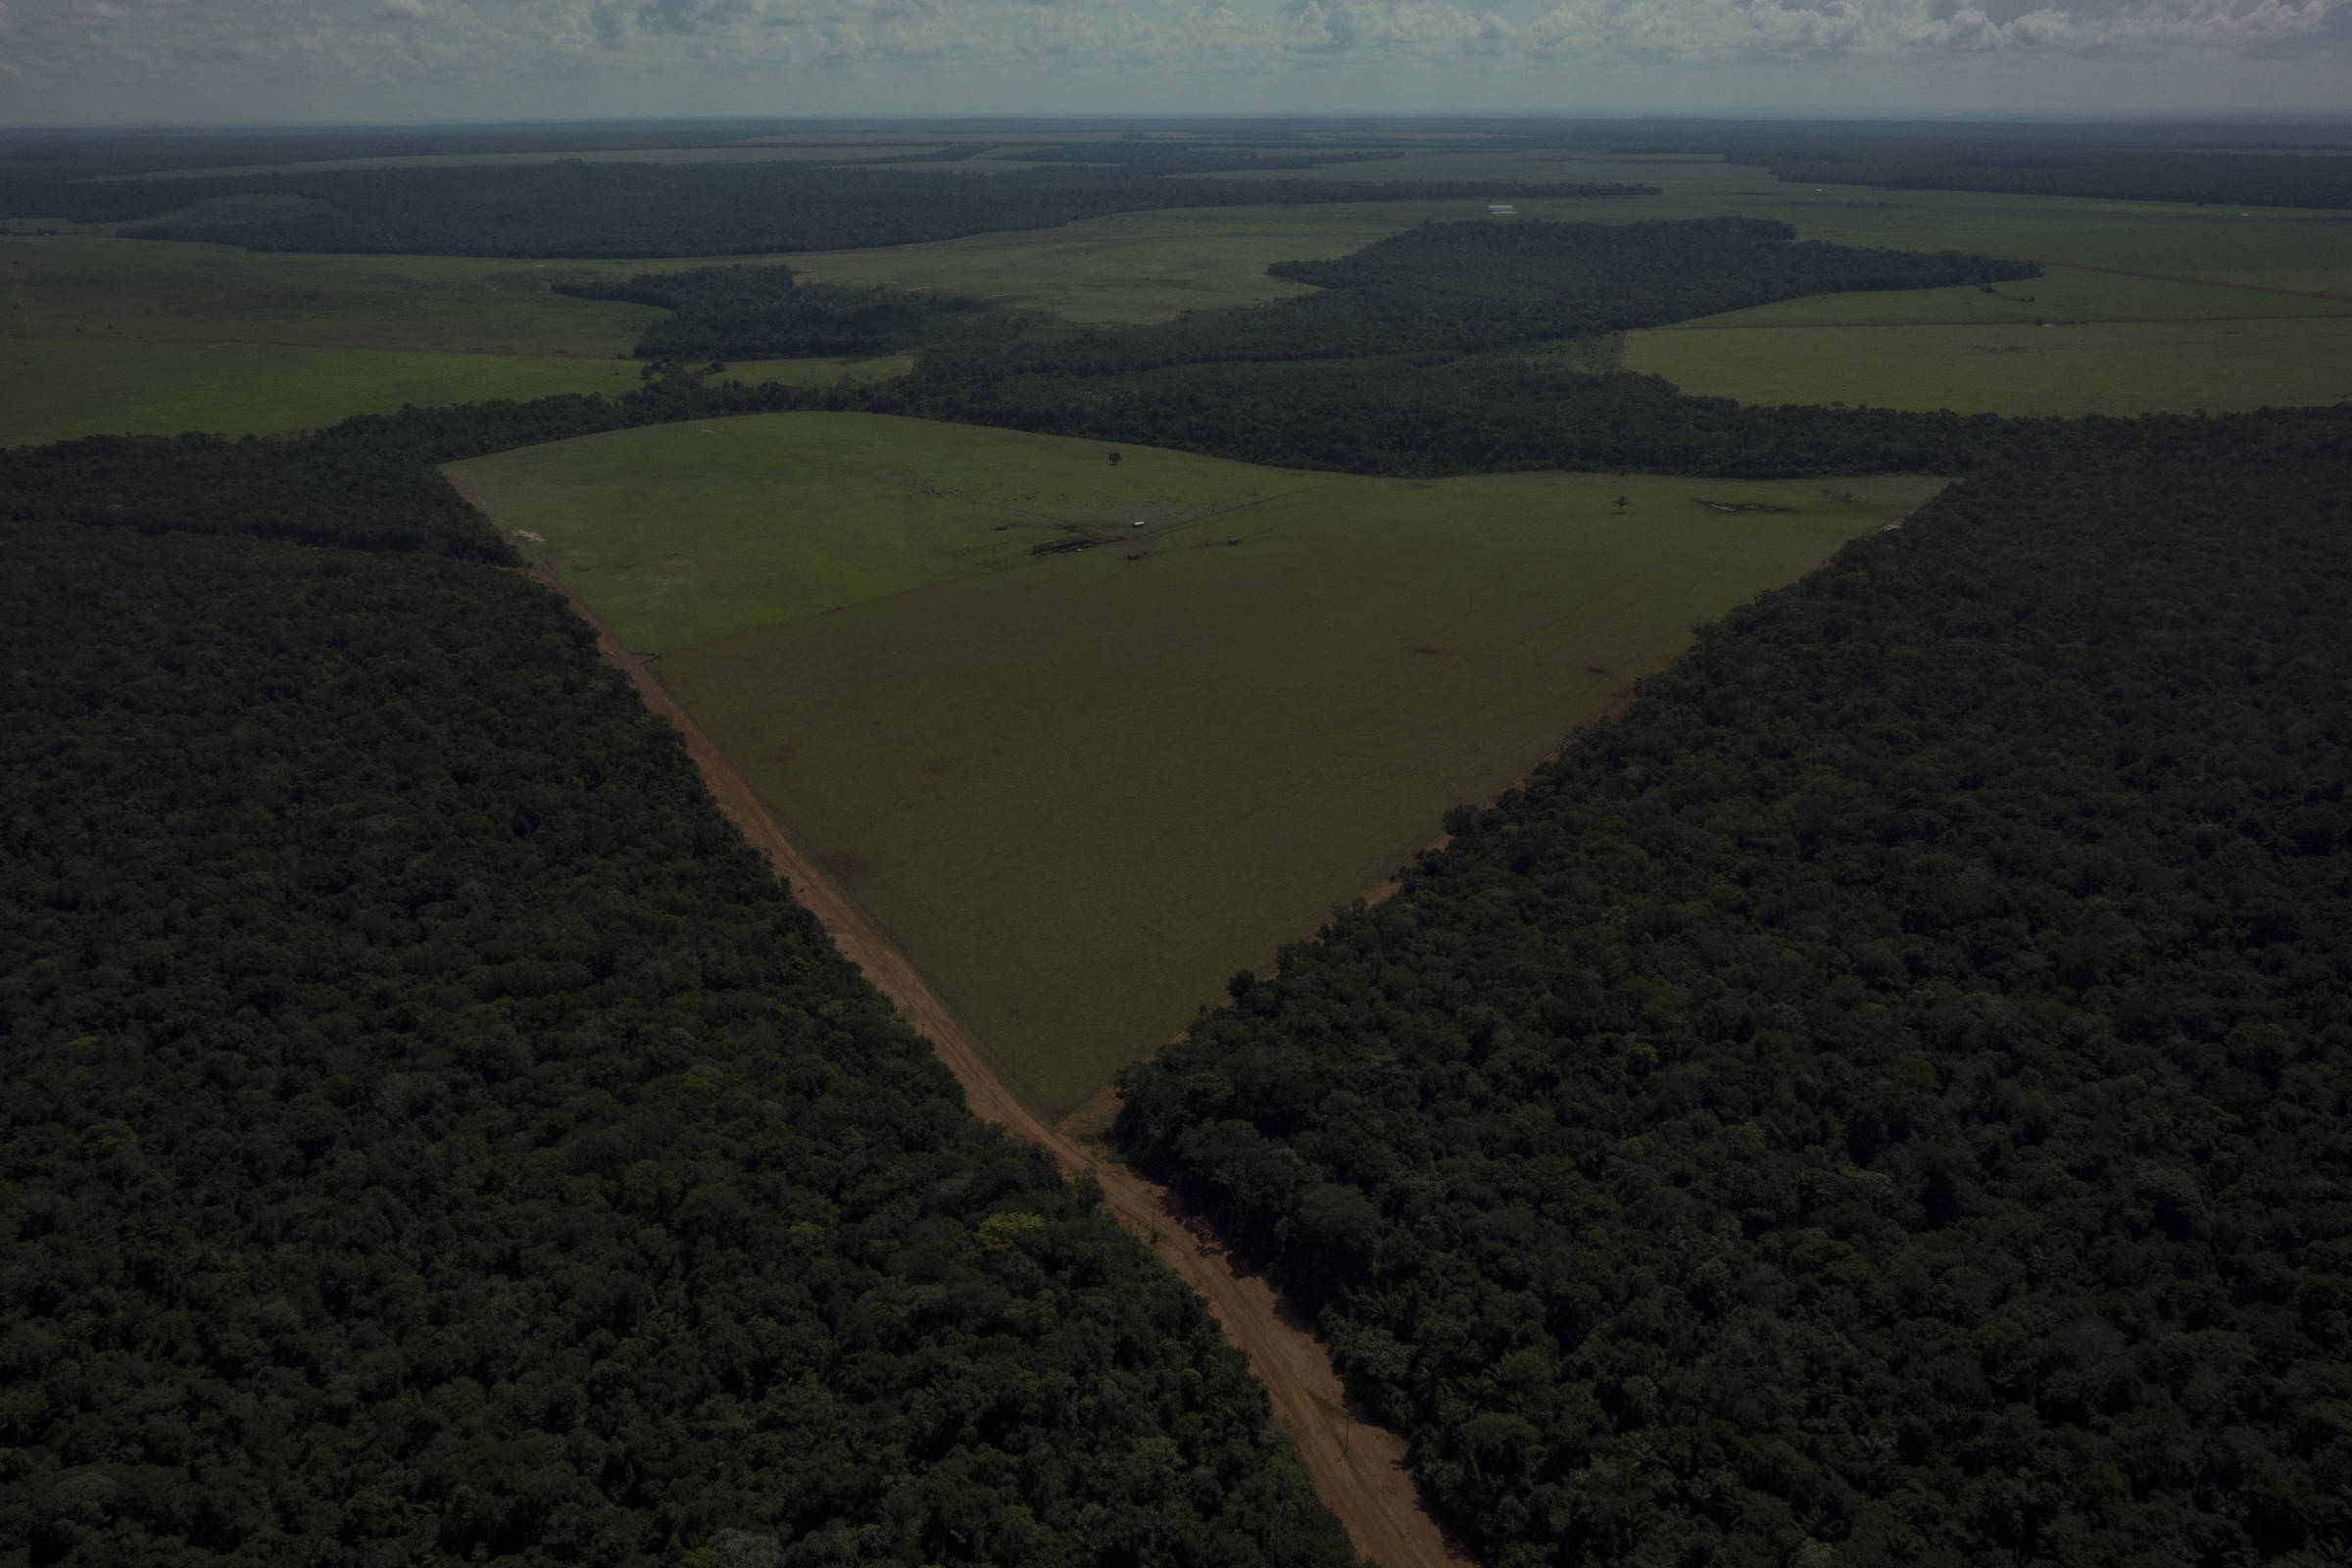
[{"x": 581, "y": 209}]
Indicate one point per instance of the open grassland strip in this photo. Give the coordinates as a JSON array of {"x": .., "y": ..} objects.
[
  {"x": 1358, "y": 1469},
  {"x": 2291, "y": 253},
  {"x": 63, "y": 388},
  {"x": 1710, "y": 325},
  {"x": 1145, "y": 267},
  {"x": 2061, "y": 294},
  {"x": 684, "y": 533},
  {"x": 2019, "y": 368},
  {"x": 2339, "y": 295},
  {"x": 100, "y": 290},
  {"x": 1151, "y": 266}
]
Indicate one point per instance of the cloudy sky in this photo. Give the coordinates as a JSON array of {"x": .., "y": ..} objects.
[{"x": 249, "y": 60}]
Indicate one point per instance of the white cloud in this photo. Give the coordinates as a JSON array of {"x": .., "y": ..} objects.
[{"x": 390, "y": 41}]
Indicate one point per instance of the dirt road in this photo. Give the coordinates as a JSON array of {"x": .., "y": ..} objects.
[{"x": 1358, "y": 1470}]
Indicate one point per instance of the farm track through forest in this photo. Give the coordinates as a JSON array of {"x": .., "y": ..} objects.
[{"x": 1358, "y": 1470}]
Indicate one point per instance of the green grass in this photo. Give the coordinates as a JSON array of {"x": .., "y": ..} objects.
[
  {"x": 2004, "y": 368},
  {"x": 113, "y": 336},
  {"x": 2063, "y": 294},
  {"x": 1149, "y": 266},
  {"x": 100, "y": 290},
  {"x": 1136, "y": 267},
  {"x": 758, "y": 151},
  {"x": 1083, "y": 792},
  {"x": 2117, "y": 345},
  {"x": 680, "y": 534},
  {"x": 58, "y": 389}
]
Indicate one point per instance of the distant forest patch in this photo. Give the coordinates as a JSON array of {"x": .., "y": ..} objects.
[{"x": 765, "y": 313}]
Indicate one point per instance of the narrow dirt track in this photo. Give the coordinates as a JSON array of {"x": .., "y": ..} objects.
[{"x": 1358, "y": 1470}]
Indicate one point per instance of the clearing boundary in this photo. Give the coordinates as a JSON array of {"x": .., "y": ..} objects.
[{"x": 1371, "y": 1492}]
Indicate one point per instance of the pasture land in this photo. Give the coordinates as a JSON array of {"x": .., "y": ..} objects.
[
  {"x": 1083, "y": 792},
  {"x": 113, "y": 336},
  {"x": 680, "y": 533},
  {"x": 103, "y": 290},
  {"x": 762, "y": 150},
  {"x": 1133, "y": 266},
  {"x": 2279, "y": 248},
  {"x": 2063, "y": 295},
  {"x": 60, "y": 388},
  {"x": 1149, "y": 267},
  {"x": 2090, "y": 366}
]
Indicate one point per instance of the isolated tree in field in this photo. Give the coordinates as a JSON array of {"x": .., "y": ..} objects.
[
  {"x": 1621, "y": 503},
  {"x": 1114, "y": 459}
]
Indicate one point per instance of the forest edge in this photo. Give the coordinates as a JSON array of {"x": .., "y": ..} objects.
[{"x": 1358, "y": 1469}]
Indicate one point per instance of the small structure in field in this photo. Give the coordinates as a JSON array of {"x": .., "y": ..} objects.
[{"x": 1502, "y": 210}]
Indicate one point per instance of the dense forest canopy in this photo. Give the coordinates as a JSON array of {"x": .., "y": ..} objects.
[
  {"x": 762, "y": 313},
  {"x": 2172, "y": 175},
  {"x": 1412, "y": 415},
  {"x": 1885, "y": 1099},
  {"x": 433, "y": 1135},
  {"x": 1463, "y": 287},
  {"x": 371, "y": 495}
]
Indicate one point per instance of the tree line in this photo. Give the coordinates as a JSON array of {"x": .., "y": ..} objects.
[
  {"x": 1437, "y": 287},
  {"x": 2198, "y": 175},
  {"x": 433, "y": 1135},
  {"x": 722, "y": 312},
  {"x": 574, "y": 208},
  {"x": 369, "y": 931},
  {"x": 1884, "y": 1098}
]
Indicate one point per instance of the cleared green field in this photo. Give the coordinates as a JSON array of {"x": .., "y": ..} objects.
[
  {"x": 680, "y": 534},
  {"x": 1149, "y": 266},
  {"x": 101, "y": 290},
  {"x": 110, "y": 337},
  {"x": 2063, "y": 295},
  {"x": 58, "y": 389},
  {"x": 2005, "y": 368},
  {"x": 1145, "y": 267},
  {"x": 1083, "y": 792},
  {"x": 762, "y": 150},
  {"x": 2114, "y": 344},
  {"x": 1136, "y": 267}
]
